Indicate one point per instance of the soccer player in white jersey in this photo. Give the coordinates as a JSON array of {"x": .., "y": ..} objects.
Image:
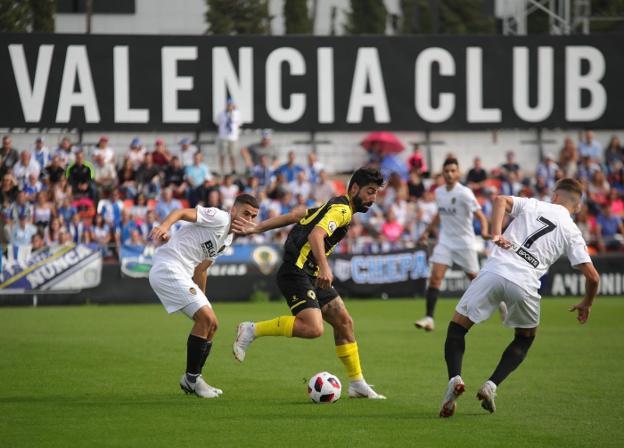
[
  {"x": 539, "y": 234},
  {"x": 178, "y": 276},
  {"x": 457, "y": 206}
]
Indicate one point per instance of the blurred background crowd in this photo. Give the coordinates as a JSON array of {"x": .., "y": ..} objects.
[{"x": 57, "y": 193}]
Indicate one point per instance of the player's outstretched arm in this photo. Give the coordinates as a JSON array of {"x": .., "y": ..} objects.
[
  {"x": 592, "y": 280},
  {"x": 242, "y": 226},
  {"x": 160, "y": 232}
]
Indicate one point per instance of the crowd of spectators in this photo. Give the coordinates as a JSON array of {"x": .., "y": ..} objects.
[{"x": 81, "y": 194}]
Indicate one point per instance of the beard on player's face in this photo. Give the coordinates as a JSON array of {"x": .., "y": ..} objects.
[{"x": 361, "y": 205}]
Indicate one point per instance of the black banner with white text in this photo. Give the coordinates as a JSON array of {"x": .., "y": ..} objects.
[{"x": 118, "y": 82}]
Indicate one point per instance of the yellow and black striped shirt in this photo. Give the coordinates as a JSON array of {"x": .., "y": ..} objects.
[{"x": 334, "y": 217}]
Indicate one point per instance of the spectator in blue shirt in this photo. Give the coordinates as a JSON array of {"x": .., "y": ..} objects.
[
  {"x": 42, "y": 153},
  {"x": 166, "y": 204},
  {"x": 290, "y": 168},
  {"x": 263, "y": 171},
  {"x": 588, "y": 147},
  {"x": 198, "y": 172},
  {"x": 609, "y": 230},
  {"x": 23, "y": 231}
]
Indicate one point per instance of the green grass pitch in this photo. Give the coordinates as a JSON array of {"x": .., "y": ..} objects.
[{"x": 107, "y": 376}]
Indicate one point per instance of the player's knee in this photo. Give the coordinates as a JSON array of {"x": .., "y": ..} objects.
[{"x": 316, "y": 330}]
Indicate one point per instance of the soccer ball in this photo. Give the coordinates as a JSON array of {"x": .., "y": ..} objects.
[{"x": 324, "y": 388}]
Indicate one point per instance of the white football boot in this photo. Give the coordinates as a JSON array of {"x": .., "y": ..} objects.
[
  {"x": 199, "y": 387},
  {"x": 487, "y": 394},
  {"x": 245, "y": 335},
  {"x": 454, "y": 389},
  {"x": 426, "y": 323},
  {"x": 361, "y": 389}
]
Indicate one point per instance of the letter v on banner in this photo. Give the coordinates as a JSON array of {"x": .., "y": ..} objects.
[{"x": 31, "y": 95}]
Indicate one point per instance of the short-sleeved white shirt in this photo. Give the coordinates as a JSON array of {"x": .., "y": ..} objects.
[
  {"x": 541, "y": 233},
  {"x": 196, "y": 242},
  {"x": 229, "y": 125},
  {"x": 456, "y": 208}
]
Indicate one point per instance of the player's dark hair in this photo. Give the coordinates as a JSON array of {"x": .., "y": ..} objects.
[
  {"x": 450, "y": 161},
  {"x": 364, "y": 176},
  {"x": 570, "y": 185},
  {"x": 246, "y": 199}
]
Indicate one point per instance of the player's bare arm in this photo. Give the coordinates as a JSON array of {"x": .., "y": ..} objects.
[
  {"x": 317, "y": 244},
  {"x": 160, "y": 232},
  {"x": 485, "y": 227},
  {"x": 502, "y": 205},
  {"x": 592, "y": 280},
  {"x": 243, "y": 226},
  {"x": 201, "y": 273},
  {"x": 435, "y": 222}
]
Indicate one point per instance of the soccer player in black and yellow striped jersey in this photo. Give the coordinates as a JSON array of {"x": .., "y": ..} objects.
[{"x": 305, "y": 277}]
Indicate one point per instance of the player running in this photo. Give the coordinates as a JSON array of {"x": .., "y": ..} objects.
[
  {"x": 178, "y": 276},
  {"x": 539, "y": 234},
  {"x": 305, "y": 277},
  {"x": 457, "y": 205}
]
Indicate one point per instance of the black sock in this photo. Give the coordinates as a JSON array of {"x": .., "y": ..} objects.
[
  {"x": 454, "y": 347},
  {"x": 195, "y": 349},
  {"x": 513, "y": 355},
  {"x": 206, "y": 353},
  {"x": 432, "y": 297}
]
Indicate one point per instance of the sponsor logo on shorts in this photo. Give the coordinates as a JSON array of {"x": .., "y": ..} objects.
[
  {"x": 528, "y": 257},
  {"x": 192, "y": 290},
  {"x": 311, "y": 294}
]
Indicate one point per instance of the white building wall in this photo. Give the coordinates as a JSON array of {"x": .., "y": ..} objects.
[
  {"x": 188, "y": 17},
  {"x": 150, "y": 17}
]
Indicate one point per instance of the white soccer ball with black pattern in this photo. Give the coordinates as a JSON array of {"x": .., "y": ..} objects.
[{"x": 324, "y": 388}]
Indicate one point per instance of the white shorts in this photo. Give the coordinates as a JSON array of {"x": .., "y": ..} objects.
[
  {"x": 484, "y": 294},
  {"x": 175, "y": 291},
  {"x": 467, "y": 259}
]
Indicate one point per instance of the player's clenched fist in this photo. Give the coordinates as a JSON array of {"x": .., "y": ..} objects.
[{"x": 159, "y": 234}]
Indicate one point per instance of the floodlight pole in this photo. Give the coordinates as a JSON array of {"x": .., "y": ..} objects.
[{"x": 89, "y": 14}]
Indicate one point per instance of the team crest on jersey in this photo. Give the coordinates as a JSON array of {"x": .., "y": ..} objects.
[
  {"x": 453, "y": 199},
  {"x": 332, "y": 226},
  {"x": 193, "y": 291}
]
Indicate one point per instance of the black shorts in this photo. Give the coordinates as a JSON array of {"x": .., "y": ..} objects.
[{"x": 299, "y": 290}]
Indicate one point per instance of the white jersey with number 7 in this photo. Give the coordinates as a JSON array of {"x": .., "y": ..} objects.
[{"x": 540, "y": 233}]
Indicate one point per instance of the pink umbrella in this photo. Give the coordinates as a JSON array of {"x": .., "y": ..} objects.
[{"x": 387, "y": 142}]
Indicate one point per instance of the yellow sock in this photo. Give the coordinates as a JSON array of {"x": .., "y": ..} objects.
[
  {"x": 280, "y": 326},
  {"x": 350, "y": 357}
]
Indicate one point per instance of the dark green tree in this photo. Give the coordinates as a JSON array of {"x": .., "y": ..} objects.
[
  {"x": 367, "y": 17},
  {"x": 297, "y": 17},
  {"x": 20, "y": 16},
  {"x": 43, "y": 12},
  {"x": 238, "y": 17},
  {"x": 446, "y": 17},
  {"x": 15, "y": 16}
]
